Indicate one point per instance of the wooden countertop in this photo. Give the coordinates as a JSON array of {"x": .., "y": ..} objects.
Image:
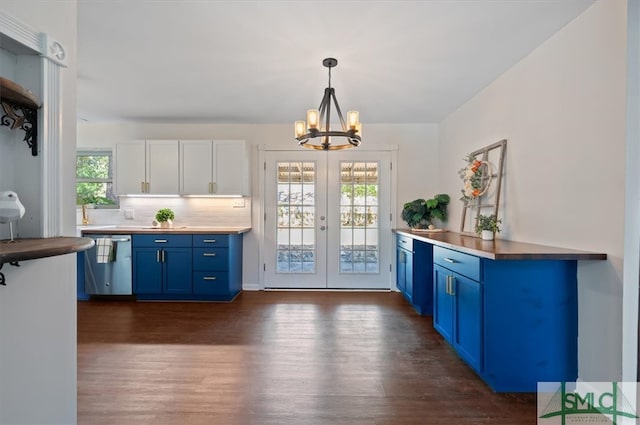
[
  {"x": 129, "y": 230},
  {"x": 30, "y": 249},
  {"x": 500, "y": 249}
]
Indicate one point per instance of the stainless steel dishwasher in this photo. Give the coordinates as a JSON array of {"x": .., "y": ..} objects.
[{"x": 112, "y": 275}]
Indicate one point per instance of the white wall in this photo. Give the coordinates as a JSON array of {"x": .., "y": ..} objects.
[
  {"x": 38, "y": 307},
  {"x": 562, "y": 109},
  {"x": 632, "y": 207},
  {"x": 417, "y": 158}
]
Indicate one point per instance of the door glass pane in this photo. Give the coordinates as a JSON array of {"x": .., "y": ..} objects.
[
  {"x": 295, "y": 236},
  {"x": 359, "y": 223}
]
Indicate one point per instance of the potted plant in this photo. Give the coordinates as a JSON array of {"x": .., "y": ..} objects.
[
  {"x": 165, "y": 217},
  {"x": 419, "y": 213},
  {"x": 487, "y": 226}
]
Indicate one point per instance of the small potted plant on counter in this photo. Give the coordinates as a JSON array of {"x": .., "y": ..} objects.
[
  {"x": 419, "y": 214},
  {"x": 165, "y": 217},
  {"x": 487, "y": 226}
]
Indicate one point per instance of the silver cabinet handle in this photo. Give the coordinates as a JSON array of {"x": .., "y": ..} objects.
[
  {"x": 148, "y": 187},
  {"x": 214, "y": 185},
  {"x": 160, "y": 241},
  {"x": 210, "y": 278},
  {"x": 157, "y": 256},
  {"x": 209, "y": 254},
  {"x": 142, "y": 187},
  {"x": 209, "y": 241},
  {"x": 121, "y": 240},
  {"x": 449, "y": 260}
]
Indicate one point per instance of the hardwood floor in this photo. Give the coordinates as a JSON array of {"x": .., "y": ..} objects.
[{"x": 278, "y": 358}]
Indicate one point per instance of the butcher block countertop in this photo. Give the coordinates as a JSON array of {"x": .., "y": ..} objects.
[
  {"x": 188, "y": 230},
  {"x": 500, "y": 249}
]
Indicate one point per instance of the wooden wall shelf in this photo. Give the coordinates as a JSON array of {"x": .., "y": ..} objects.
[{"x": 20, "y": 110}]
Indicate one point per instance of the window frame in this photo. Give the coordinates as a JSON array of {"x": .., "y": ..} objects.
[{"x": 98, "y": 152}]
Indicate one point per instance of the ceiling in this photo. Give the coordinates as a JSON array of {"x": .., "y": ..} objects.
[{"x": 261, "y": 61}]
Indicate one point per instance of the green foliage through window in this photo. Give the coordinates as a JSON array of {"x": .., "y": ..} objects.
[{"x": 94, "y": 178}]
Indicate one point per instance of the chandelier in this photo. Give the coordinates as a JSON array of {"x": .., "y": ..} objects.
[{"x": 322, "y": 133}]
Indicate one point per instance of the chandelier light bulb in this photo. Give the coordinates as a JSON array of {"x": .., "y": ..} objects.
[
  {"x": 353, "y": 118},
  {"x": 313, "y": 118},
  {"x": 301, "y": 128}
]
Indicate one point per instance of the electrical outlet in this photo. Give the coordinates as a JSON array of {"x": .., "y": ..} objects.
[
  {"x": 238, "y": 203},
  {"x": 129, "y": 213}
]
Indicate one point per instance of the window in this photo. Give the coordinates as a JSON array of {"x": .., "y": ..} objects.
[{"x": 94, "y": 178}]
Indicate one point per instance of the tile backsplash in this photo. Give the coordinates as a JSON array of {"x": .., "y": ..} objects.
[{"x": 188, "y": 211}]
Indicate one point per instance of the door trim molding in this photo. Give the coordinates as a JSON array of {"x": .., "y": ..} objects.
[{"x": 263, "y": 149}]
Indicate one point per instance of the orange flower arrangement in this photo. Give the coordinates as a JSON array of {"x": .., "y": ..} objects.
[{"x": 471, "y": 175}]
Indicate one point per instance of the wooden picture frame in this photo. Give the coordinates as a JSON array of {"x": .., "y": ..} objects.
[{"x": 489, "y": 201}]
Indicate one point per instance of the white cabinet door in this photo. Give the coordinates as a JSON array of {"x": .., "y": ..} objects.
[
  {"x": 197, "y": 167},
  {"x": 130, "y": 168},
  {"x": 218, "y": 167},
  {"x": 163, "y": 167},
  {"x": 231, "y": 171}
]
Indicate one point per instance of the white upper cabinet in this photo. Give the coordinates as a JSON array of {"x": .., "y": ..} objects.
[
  {"x": 130, "y": 175},
  {"x": 218, "y": 167},
  {"x": 163, "y": 167},
  {"x": 147, "y": 167}
]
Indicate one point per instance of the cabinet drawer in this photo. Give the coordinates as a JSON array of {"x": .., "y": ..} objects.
[
  {"x": 210, "y": 240},
  {"x": 405, "y": 242},
  {"x": 161, "y": 240},
  {"x": 211, "y": 283},
  {"x": 465, "y": 264},
  {"x": 211, "y": 259}
]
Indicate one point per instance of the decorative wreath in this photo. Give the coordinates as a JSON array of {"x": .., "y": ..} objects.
[{"x": 471, "y": 175}]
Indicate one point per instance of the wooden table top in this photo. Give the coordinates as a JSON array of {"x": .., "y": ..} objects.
[
  {"x": 500, "y": 249},
  {"x": 29, "y": 249}
]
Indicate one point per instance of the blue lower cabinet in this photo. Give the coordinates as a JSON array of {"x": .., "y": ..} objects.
[
  {"x": 162, "y": 271},
  {"x": 530, "y": 323},
  {"x": 414, "y": 277},
  {"x": 187, "y": 267},
  {"x": 217, "y": 266},
  {"x": 457, "y": 313},
  {"x": 211, "y": 283},
  {"x": 515, "y": 322}
]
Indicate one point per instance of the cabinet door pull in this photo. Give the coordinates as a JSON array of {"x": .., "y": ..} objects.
[
  {"x": 209, "y": 254},
  {"x": 157, "y": 256},
  {"x": 449, "y": 260},
  {"x": 446, "y": 286},
  {"x": 209, "y": 241},
  {"x": 160, "y": 241},
  {"x": 210, "y": 187},
  {"x": 209, "y": 278},
  {"x": 452, "y": 285},
  {"x": 142, "y": 187},
  {"x": 148, "y": 187},
  {"x": 215, "y": 187}
]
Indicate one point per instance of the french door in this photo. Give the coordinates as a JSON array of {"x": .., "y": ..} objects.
[{"x": 327, "y": 219}]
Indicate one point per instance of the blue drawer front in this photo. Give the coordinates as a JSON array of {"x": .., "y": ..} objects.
[
  {"x": 405, "y": 242},
  {"x": 161, "y": 240},
  {"x": 211, "y": 259},
  {"x": 210, "y": 240},
  {"x": 459, "y": 262},
  {"x": 211, "y": 283}
]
